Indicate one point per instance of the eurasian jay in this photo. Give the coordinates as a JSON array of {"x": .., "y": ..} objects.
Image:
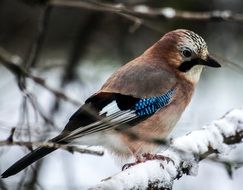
[{"x": 146, "y": 96}]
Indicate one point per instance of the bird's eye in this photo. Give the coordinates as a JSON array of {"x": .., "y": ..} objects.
[{"x": 187, "y": 53}]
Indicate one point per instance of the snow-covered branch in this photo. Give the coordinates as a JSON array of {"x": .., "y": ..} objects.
[{"x": 186, "y": 153}]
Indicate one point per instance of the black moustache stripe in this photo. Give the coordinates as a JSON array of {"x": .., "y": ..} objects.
[{"x": 187, "y": 65}]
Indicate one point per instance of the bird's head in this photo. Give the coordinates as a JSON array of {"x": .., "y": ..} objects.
[{"x": 186, "y": 52}]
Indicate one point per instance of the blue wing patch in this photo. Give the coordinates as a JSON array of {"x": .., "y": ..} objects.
[{"x": 148, "y": 106}]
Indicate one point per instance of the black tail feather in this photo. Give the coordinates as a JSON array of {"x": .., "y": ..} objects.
[{"x": 27, "y": 160}]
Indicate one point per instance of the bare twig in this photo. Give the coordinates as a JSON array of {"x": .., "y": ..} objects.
[
  {"x": 13, "y": 64},
  {"x": 139, "y": 14},
  {"x": 10, "y": 138},
  {"x": 69, "y": 148},
  {"x": 148, "y": 12},
  {"x": 40, "y": 34}
]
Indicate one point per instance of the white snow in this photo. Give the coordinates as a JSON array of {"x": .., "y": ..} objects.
[
  {"x": 168, "y": 12},
  {"x": 212, "y": 135},
  {"x": 148, "y": 171},
  {"x": 141, "y": 9},
  {"x": 184, "y": 152}
]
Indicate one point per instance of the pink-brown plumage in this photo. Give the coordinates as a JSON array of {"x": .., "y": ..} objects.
[{"x": 149, "y": 95}]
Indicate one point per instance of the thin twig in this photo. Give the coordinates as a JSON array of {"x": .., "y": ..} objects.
[
  {"x": 69, "y": 148},
  {"x": 148, "y": 12},
  {"x": 40, "y": 35},
  {"x": 13, "y": 64}
]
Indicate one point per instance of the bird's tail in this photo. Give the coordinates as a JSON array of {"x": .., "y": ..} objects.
[{"x": 27, "y": 160}]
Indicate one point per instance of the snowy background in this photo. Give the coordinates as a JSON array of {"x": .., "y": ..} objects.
[{"x": 110, "y": 46}]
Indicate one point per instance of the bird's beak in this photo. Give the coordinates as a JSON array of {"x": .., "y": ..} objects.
[{"x": 211, "y": 62}]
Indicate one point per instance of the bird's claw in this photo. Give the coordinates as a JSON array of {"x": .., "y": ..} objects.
[
  {"x": 128, "y": 165},
  {"x": 148, "y": 156}
]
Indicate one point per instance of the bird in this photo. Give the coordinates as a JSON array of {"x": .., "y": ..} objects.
[{"x": 146, "y": 97}]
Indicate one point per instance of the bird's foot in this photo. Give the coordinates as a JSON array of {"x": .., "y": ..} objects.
[
  {"x": 149, "y": 156},
  {"x": 145, "y": 157},
  {"x": 128, "y": 165}
]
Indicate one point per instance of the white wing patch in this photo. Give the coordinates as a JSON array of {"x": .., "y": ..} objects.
[
  {"x": 110, "y": 108},
  {"x": 115, "y": 114}
]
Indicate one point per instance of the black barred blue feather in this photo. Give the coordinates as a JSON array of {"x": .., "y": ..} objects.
[{"x": 148, "y": 106}]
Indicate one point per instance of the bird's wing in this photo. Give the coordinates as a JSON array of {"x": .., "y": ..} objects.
[
  {"x": 141, "y": 78},
  {"x": 116, "y": 107}
]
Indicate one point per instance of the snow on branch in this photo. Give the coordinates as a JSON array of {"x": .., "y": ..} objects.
[{"x": 186, "y": 152}]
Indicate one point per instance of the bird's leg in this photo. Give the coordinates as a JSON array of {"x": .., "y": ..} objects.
[{"x": 145, "y": 157}]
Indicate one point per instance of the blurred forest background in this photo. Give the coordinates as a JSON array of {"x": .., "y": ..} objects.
[{"x": 74, "y": 46}]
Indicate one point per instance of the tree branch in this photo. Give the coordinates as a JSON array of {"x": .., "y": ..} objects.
[
  {"x": 69, "y": 148},
  {"x": 43, "y": 21},
  {"x": 186, "y": 152},
  {"x": 13, "y": 64},
  {"x": 149, "y": 12}
]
